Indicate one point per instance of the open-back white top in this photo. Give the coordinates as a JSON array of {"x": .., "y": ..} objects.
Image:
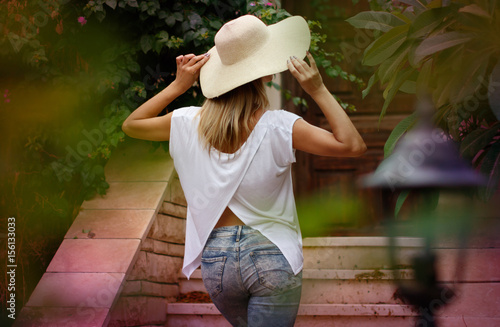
[{"x": 255, "y": 183}]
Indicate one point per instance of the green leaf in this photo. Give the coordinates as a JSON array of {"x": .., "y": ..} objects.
[
  {"x": 170, "y": 20},
  {"x": 332, "y": 72},
  {"x": 111, "y": 3},
  {"x": 178, "y": 16},
  {"x": 146, "y": 43},
  {"x": 409, "y": 87},
  {"x": 134, "y": 67},
  {"x": 385, "y": 46},
  {"x": 162, "y": 36},
  {"x": 215, "y": 24},
  {"x": 100, "y": 15},
  {"x": 440, "y": 42},
  {"x": 431, "y": 199},
  {"x": 424, "y": 78},
  {"x": 407, "y": 17},
  {"x": 490, "y": 167},
  {"x": 162, "y": 14},
  {"x": 417, "y": 5},
  {"x": 189, "y": 36},
  {"x": 194, "y": 20},
  {"x": 398, "y": 131},
  {"x": 144, "y": 6},
  {"x": 115, "y": 138},
  {"x": 393, "y": 89},
  {"x": 124, "y": 76},
  {"x": 400, "y": 201},
  {"x": 157, "y": 46},
  {"x": 477, "y": 140},
  {"x": 470, "y": 77},
  {"x": 375, "y": 20},
  {"x": 445, "y": 62},
  {"x": 389, "y": 67},
  {"x": 133, "y": 3},
  {"x": 475, "y": 10},
  {"x": 427, "y": 21},
  {"x": 373, "y": 79}
]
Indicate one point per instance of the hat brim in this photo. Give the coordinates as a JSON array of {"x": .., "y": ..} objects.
[{"x": 289, "y": 37}]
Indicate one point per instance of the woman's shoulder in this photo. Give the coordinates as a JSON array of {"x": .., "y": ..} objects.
[
  {"x": 281, "y": 118},
  {"x": 188, "y": 112}
]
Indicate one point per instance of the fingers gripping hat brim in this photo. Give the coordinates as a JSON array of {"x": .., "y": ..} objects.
[{"x": 289, "y": 37}]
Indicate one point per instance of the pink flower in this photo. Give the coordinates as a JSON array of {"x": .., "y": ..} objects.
[
  {"x": 252, "y": 4},
  {"x": 269, "y": 4},
  {"x": 82, "y": 20}
]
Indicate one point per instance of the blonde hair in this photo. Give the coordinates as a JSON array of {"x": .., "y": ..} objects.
[{"x": 226, "y": 121}]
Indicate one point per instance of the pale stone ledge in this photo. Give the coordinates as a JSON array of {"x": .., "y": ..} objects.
[{"x": 101, "y": 251}]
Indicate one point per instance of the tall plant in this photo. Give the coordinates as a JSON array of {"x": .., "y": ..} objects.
[{"x": 451, "y": 50}]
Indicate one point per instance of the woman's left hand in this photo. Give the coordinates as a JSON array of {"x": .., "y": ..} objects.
[
  {"x": 308, "y": 76},
  {"x": 188, "y": 70}
]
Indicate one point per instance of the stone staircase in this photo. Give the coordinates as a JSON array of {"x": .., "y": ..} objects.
[
  {"x": 126, "y": 273},
  {"x": 346, "y": 283}
]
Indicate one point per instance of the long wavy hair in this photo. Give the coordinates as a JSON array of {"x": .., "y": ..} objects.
[{"x": 227, "y": 121}]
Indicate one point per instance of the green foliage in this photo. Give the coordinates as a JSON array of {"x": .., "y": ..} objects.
[
  {"x": 400, "y": 201},
  {"x": 376, "y": 20},
  {"x": 447, "y": 51},
  {"x": 398, "y": 132}
]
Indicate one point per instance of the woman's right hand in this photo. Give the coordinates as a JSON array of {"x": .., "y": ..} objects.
[
  {"x": 188, "y": 70},
  {"x": 308, "y": 76}
]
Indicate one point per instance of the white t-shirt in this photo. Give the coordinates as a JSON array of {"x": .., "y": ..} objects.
[{"x": 255, "y": 183}]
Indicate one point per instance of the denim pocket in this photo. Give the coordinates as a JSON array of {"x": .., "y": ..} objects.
[
  {"x": 212, "y": 270},
  {"x": 274, "y": 271}
]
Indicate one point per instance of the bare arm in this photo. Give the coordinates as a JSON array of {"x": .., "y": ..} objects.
[
  {"x": 344, "y": 140},
  {"x": 143, "y": 123}
]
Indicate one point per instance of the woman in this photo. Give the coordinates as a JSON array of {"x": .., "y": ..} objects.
[{"x": 234, "y": 155}]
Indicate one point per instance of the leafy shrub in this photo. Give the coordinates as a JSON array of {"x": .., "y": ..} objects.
[{"x": 451, "y": 52}]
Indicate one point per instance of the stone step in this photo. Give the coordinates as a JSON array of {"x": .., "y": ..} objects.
[
  {"x": 330, "y": 285},
  {"x": 320, "y": 315},
  {"x": 361, "y": 253},
  {"x": 473, "y": 299},
  {"x": 205, "y": 315},
  {"x": 366, "y": 255},
  {"x": 357, "y": 252}
]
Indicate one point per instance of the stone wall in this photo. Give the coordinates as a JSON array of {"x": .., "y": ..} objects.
[{"x": 153, "y": 281}]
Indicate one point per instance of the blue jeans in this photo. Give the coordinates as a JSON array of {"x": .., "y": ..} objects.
[{"x": 249, "y": 279}]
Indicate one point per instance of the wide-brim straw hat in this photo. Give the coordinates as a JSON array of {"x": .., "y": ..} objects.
[{"x": 247, "y": 49}]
